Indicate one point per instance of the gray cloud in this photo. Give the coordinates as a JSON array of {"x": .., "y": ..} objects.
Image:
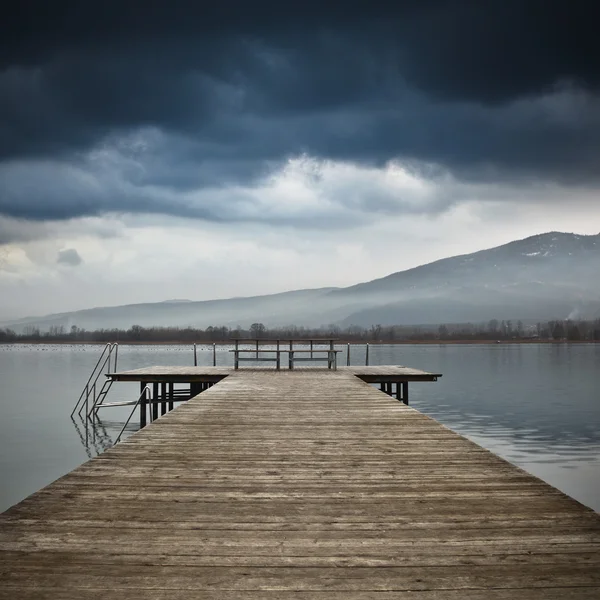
[
  {"x": 135, "y": 111},
  {"x": 18, "y": 231},
  {"x": 69, "y": 256}
]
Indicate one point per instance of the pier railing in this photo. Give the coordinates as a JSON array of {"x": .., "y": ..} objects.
[{"x": 259, "y": 352}]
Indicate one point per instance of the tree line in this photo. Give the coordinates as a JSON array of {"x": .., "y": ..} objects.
[{"x": 501, "y": 330}]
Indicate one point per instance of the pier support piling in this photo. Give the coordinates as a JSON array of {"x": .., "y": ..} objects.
[
  {"x": 155, "y": 394},
  {"x": 163, "y": 397},
  {"x": 143, "y": 404}
]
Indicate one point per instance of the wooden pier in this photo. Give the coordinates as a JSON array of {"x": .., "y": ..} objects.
[{"x": 298, "y": 484}]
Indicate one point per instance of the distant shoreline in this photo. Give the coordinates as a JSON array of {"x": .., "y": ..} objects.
[{"x": 338, "y": 342}]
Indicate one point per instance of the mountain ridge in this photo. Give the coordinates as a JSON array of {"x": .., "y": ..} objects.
[
  {"x": 548, "y": 275},
  {"x": 555, "y": 274}
]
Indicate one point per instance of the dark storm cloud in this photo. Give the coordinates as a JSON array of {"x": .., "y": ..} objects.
[
  {"x": 490, "y": 50},
  {"x": 237, "y": 87},
  {"x": 70, "y": 257}
]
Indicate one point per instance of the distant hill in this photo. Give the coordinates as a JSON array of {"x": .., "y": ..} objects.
[
  {"x": 274, "y": 308},
  {"x": 549, "y": 276}
]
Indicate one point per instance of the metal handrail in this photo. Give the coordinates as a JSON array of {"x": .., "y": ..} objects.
[
  {"x": 85, "y": 387},
  {"x": 103, "y": 393},
  {"x": 92, "y": 391},
  {"x": 145, "y": 393},
  {"x": 214, "y": 354},
  {"x": 102, "y": 361},
  {"x": 116, "y": 349}
]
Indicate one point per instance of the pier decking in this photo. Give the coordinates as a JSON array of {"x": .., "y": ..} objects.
[
  {"x": 370, "y": 374},
  {"x": 298, "y": 484}
]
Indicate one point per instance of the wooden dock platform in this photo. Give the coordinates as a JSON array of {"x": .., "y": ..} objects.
[
  {"x": 370, "y": 374},
  {"x": 307, "y": 484}
]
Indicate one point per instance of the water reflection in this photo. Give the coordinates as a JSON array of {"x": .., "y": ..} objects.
[
  {"x": 97, "y": 435},
  {"x": 93, "y": 435}
]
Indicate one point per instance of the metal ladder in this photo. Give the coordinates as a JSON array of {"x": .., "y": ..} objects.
[{"x": 90, "y": 397}]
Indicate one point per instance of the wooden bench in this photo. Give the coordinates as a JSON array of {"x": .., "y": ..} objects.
[
  {"x": 331, "y": 356},
  {"x": 328, "y": 354},
  {"x": 256, "y": 358}
]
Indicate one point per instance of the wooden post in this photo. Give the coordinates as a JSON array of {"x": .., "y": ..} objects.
[
  {"x": 214, "y": 354},
  {"x": 257, "y": 349},
  {"x": 405, "y": 392},
  {"x": 311, "y": 348},
  {"x": 155, "y": 395},
  {"x": 236, "y": 354},
  {"x": 348, "y": 356},
  {"x": 367, "y": 355},
  {"x": 386, "y": 388},
  {"x": 195, "y": 356},
  {"x": 171, "y": 394},
  {"x": 163, "y": 397},
  {"x": 291, "y": 355},
  {"x": 278, "y": 356},
  {"x": 398, "y": 390},
  {"x": 143, "y": 404}
]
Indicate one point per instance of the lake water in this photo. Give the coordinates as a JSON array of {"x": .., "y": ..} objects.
[{"x": 538, "y": 406}]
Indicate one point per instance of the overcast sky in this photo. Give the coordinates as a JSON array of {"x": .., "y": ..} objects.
[{"x": 155, "y": 150}]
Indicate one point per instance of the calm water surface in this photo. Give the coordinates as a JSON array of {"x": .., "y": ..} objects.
[{"x": 538, "y": 406}]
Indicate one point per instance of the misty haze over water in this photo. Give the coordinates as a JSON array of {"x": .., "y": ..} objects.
[{"x": 535, "y": 405}]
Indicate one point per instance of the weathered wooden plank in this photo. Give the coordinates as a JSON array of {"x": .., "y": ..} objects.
[
  {"x": 310, "y": 579},
  {"x": 158, "y": 593},
  {"x": 38, "y": 560},
  {"x": 321, "y": 523}
]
